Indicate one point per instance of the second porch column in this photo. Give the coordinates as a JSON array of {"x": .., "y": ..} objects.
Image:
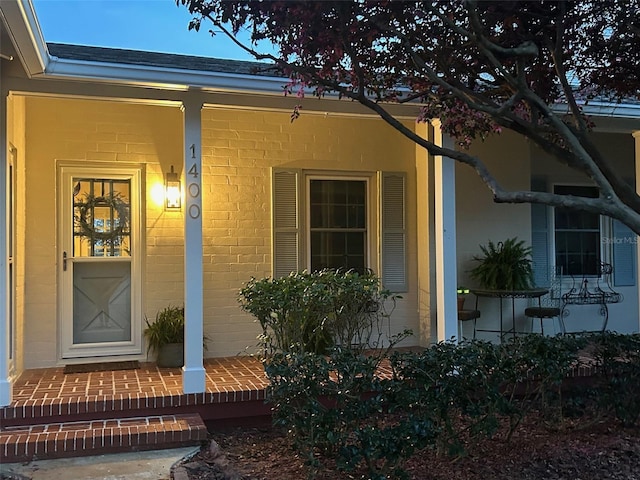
[
  {"x": 193, "y": 374},
  {"x": 445, "y": 239}
]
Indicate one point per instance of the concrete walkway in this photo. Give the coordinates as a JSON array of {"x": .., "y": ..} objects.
[{"x": 149, "y": 465}]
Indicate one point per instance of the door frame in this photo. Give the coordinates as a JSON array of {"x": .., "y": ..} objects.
[
  {"x": 12, "y": 158},
  {"x": 65, "y": 172}
]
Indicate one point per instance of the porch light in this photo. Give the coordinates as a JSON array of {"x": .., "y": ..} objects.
[{"x": 172, "y": 193}]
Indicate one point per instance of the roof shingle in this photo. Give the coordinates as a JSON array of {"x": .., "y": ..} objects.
[{"x": 160, "y": 60}]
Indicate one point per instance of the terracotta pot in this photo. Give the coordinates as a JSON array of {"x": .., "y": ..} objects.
[{"x": 171, "y": 355}]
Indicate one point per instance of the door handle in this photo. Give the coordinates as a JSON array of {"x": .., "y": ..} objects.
[{"x": 64, "y": 261}]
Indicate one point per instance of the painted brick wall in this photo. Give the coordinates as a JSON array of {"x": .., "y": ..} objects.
[
  {"x": 239, "y": 148},
  {"x": 85, "y": 131}
]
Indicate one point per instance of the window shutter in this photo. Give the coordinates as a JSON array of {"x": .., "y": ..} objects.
[
  {"x": 540, "y": 236},
  {"x": 624, "y": 255},
  {"x": 286, "y": 228},
  {"x": 394, "y": 236}
]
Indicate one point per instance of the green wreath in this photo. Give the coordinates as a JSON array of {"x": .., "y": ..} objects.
[{"x": 87, "y": 227}]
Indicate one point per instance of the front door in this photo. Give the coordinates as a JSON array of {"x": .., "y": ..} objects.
[{"x": 99, "y": 261}]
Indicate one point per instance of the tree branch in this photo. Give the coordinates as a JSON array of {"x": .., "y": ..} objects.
[
  {"x": 488, "y": 48},
  {"x": 617, "y": 199},
  {"x": 558, "y": 57}
]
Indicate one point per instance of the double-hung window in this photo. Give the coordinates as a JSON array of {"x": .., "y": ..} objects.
[
  {"x": 577, "y": 234},
  {"x": 337, "y": 224},
  {"x": 578, "y": 241},
  {"x": 345, "y": 221}
]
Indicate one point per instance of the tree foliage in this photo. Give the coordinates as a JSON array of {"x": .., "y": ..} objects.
[{"x": 477, "y": 66}]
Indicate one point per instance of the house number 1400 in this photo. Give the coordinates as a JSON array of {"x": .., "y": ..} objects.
[{"x": 194, "y": 188}]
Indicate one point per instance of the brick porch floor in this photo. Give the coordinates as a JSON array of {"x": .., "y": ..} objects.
[{"x": 224, "y": 376}]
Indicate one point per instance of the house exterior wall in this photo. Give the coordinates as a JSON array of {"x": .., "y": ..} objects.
[
  {"x": 239, "y": 149},
  {"x": 619, "y": 150},
  {"x": 16, "y": 139},
  {"x": 480, "y": 219},
  {"x": 514, "y": 162},
  {"x": 86, "y": 131}
]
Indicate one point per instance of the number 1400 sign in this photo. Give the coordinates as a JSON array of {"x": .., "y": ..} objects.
[{"x": 193, "y": 188}]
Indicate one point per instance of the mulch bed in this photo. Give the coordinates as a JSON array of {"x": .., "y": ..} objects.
[{"x": 600, "y": 450}]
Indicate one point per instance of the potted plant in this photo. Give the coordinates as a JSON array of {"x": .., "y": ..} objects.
[
  {"x": 165, "y": 336},
  {"x": 504, "y": 266},
  {"x": 462, "y": 294}
]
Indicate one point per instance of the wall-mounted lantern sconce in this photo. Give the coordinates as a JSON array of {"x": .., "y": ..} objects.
[{"x": 172, "y": 193}]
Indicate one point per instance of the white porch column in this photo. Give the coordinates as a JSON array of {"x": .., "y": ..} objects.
[
  {"x": 5, "y": 384},
  {"x": 193, "y": 374},
  {"x": 636, "y": 136},
  {"x": 445, "y": 239}
]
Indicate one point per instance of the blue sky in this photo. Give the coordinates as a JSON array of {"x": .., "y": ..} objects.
[{"x": 152, "y": 25}]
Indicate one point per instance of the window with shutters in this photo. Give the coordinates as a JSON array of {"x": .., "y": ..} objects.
[
  {"x": 577, "y": 241},
  {"x": 322, "y": 221},
  {"x": 577, "y": 234}
]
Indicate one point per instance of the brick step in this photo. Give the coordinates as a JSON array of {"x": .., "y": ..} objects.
[
  {"x": 96, "y": 437},
  {"x": 48, "y": 410},
  {"x": 90, "y": 407}
]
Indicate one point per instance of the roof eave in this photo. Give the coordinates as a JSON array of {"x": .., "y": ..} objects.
[
  {"x": 22, "y": 25},
  {"x": 612, "y": 109},
  {"x": 162, "y": 77}
]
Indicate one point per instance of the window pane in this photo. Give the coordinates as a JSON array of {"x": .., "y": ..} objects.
[
  {"x": 562, "y": 218},
  {"x": 577, "y": 220},
  {"x": 344, "y": 250},
  {"x": 577, "y": 190},
  {"x": 578, "y": 252},
  {"x": 337, "y": 203},
  {"x": 101, "y": 217}
]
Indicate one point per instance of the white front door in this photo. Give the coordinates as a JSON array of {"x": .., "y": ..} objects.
[{"x": 99, "y": 261}]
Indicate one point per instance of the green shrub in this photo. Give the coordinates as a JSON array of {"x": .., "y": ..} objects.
[
  {"x": 446, "y": 397},
  {"x": 618, "y": 358},
  {"x": 446, "y": 383},
  {"x": 312, "y": 312},
  {"x": 336, "y": 406}
]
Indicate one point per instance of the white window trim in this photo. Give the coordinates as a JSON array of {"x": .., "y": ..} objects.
[
  {"x": 606, "y": 251},
  {"x": 370, "y": 228}
]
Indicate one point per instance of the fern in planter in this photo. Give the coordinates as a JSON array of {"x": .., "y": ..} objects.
[
  {"x": 168, "y": 327},
  {"x": 165, "y": 336},
  {"x": 504, "y": 266}
]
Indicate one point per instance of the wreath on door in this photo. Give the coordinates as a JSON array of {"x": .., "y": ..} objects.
[{"x": 86, "y": 222}]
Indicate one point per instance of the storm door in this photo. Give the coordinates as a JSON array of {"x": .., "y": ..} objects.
[{"x": 99, "y": 262}]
